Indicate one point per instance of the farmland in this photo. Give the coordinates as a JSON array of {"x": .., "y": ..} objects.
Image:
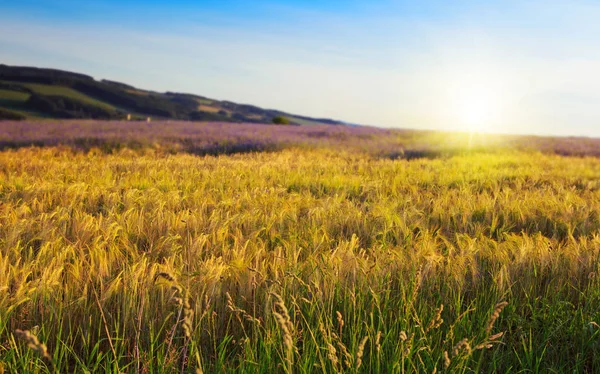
[
  {"x": 34, "y": 93},
  {"x": 185, "y": 247}
]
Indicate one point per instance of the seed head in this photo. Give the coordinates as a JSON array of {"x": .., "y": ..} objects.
[
  {"x": 361, "y": 351},
  {"x": 497, "y": 310},
  {"x": 33, "y": 343}
]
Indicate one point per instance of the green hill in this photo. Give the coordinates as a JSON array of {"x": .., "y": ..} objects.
[{"x": 31, "y": 92}]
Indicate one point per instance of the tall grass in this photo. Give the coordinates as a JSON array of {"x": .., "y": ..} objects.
[{"x": 301, "y": 260}]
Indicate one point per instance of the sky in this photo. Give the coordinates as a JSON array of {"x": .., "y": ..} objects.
[{"x": 525, "y": 67}]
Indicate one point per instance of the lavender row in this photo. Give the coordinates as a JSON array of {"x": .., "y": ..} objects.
[{"x": 219, "y": 138}]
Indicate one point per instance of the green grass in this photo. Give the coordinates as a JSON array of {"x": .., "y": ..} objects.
[
  {"x": 8, "y": 97},
  {"x": 15, "y": 101},
  {"x": 64, "y": 91},
  {"x": 303, "y": 122},
  {"x": 299, "y": 261}
]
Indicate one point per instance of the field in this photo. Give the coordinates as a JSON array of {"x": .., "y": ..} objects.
[
  {"x": 40, "y": 93},
  {"x": 46, "y": 89},
  {"x": 182, "y": 247},
  {"x": 16, "y": 100},
  {"x": 11, "y": 98}
]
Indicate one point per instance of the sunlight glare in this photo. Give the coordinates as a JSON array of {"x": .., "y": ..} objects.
[
  {"x": 475, "y": 112},
  {"x": 476, "y": 101}
]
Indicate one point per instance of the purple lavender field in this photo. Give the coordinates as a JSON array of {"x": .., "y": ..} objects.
[{"x": 226, "y": 138}]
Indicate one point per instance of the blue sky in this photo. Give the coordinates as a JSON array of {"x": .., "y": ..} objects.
[{"x": 499, "y": 66}]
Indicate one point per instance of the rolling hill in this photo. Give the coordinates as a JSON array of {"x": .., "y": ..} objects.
[{"x": 29, "y": 92}]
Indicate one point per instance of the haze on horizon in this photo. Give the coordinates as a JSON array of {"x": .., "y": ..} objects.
[{"x": 504, "y": 66}]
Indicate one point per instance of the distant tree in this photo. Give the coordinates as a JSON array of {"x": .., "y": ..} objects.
[{"x": 281, "y": 120}]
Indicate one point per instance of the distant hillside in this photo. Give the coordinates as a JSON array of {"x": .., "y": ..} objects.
[{"x": 28, "y": 92}]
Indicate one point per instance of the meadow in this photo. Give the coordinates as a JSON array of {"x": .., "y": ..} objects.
[{"x": 180, "y": 247}]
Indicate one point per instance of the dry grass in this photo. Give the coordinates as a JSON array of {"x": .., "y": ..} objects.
[{"x": 298, "y": 261}]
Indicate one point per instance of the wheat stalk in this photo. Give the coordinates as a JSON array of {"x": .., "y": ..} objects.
[
  {"x": 377, "y": 341},
  {"x": 462, "y": 345},
  {"x": 285, "y": 324},
  {"x": 437, "y": 321},
  {"x": 497, "y": 310},
  {"x": 33, "y": 343},
  {"x": 360, "y": 352}
]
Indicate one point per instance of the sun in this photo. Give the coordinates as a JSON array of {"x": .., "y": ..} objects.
[
  {"x": 475, "y": 111},
  {"x": 474, "y": 100}
]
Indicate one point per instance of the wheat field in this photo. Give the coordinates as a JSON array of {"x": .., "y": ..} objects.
[{"x": 298, "y": 260}]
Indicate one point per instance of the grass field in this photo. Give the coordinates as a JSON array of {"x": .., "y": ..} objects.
[
  {"x": 16, "y": 101},
  {"x": 45, "y": 89},
  {"x": 304, "y": 122},
  {"x": 317, "y": 256},
  {"x": 11, "y": 98}
]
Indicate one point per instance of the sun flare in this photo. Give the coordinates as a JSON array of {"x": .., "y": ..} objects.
[
  {"x": 476, "y": 108},
  {"x": 475, "y": 112},
  {"x": 475, "y": 99}
]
